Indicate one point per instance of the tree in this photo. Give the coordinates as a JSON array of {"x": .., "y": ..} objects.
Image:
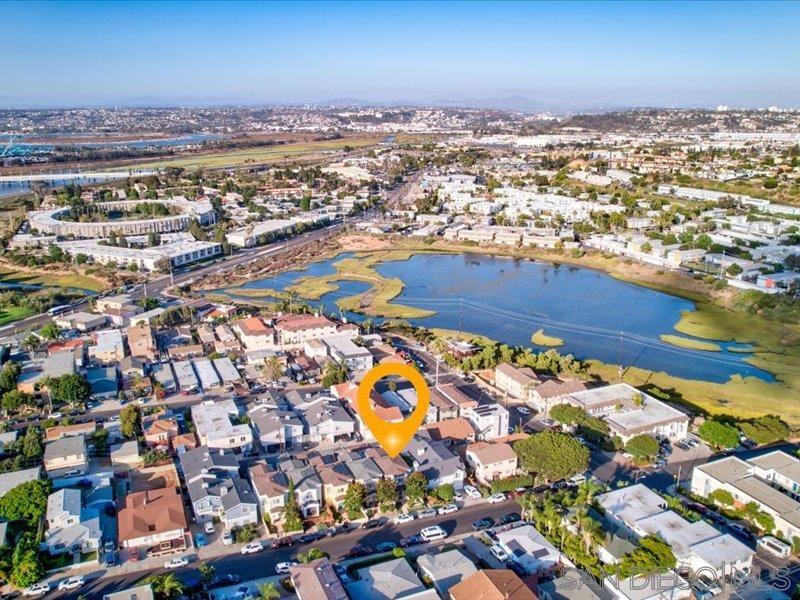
[
  {"x": 148, "y": 302},
  {"x": 386, "y": 492},
  {"x": 334, "y": 373},
  {"x": 653, "y": 555},
  {"x": 50, "y": 331},
  {"x": 130, "y": 421},
  {"x": 416, "y": 487},
  {"x": 446, "y": 492},
  {"x": 721, "y": 496},
  {"x": 32, "y": 444},
  {"x": 734, "y": 270},
  {"x": 268, "y": 591},
  {"x": 72, "y": 389},
  {"x": 12, "y": 401},
  {"x": 165, "y": 586},
  {"x": 9, "y": 375},
  {"x": 27, "y": 501},
  {"x": 552, "y": 455},
  {"x": 719, "y": 434},
  {"x": 354, "y": 498},
  {"x": 207, "y": 572},
  {"x": 312, "y": 554},
  {"x": 766, "y": 429},
  {"x": 642, "y": 446},
  {"x": 26, "y": 567},
  {"x": 273, "y": 368},
  {"x": 292, "y": 517}
]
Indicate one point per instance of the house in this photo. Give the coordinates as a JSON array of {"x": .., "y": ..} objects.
[
  {"x": 140, "y": 592},
  {"x": 445, "y": 569},
  {"x": 153, "y": 523},
  {"x": 55, "y": 365},
  {"x": 491, "y": 461},
  {"x": 184, "y": 373},
  {"x": 159, "y": 431},
  {"x": 659, "y": 586},
  {"x": 70, "y": 527},
  {"x": 434, "y": 460},
  {"x": 317, "y": 580},
  {"x": 295, "y": 330},
  {"x": 61, "y": 431},
  {"x": 451, "y": 431},
  {"x": 530, "y": 549},
  {"x": 573, "y": 584},
  {"x": 254, "y": 334},
  {"x": 307, "y": 486},
  {"x": 65, "y": 457},
  {"x": 119, "y": 308},
  {"x": 215, "y": 428},
  {"x": 108, "y": 348},
  {"x": 342, "y": 349},
  {"x": 457, "y": 397},
  {"x": 550, "y": 391},
  {"x": 141, "y": 341},
  {"x": 444, "y": 407},
  {"x": 389, "y": 580},
  {"x": 276, "y": 429},
  {"x": 271, "y": 489},
  {"x": 328, "y": 422},
  {"x": 514, "y": 381},
  {"x": 80, "y": 321},
  {"x": 629, "y": 412},
  {"x": 125, "y": 456},
  {"x": 165, "y": 378},
  {"x": 492, "y": 584},
  {"x": 335, "y": 480},
  {"x": 207, "y": 374},
  {"x": 103, "y": 382},
  {"x": 771, "y": 480},
  {"x": 490, "y": 421}
]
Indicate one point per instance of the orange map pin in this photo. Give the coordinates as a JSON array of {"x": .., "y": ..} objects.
[{"x": 393, "y": 437}]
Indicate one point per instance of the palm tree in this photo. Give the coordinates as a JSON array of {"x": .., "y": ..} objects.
[
  {"x": 587, "y": 491},
  {"x": 166, "y": 586},
  {"x": 273, "y": 369},
  {"x": 438, "y": 346},
  {"x": 268, "y": 591}
]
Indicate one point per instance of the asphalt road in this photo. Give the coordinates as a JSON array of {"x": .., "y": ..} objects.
[{"x": 262, "y": 564}]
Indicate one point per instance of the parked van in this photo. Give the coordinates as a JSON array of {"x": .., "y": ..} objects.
[
  {"x": 774, "y": 546},
  {"x": 433, "y": 533}
]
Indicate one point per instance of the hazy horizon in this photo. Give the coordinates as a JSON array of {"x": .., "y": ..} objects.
[{"x": 75, "y": 54}]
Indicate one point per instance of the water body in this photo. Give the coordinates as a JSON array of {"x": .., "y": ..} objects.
[
  {"x": 505, "y": 299},
  {"x": 21, "y": 147}
]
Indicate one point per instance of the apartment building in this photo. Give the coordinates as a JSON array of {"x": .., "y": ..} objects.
[
  {"x": 491, "y": 461},
  {"x": 489, "y": 420},
  {"x": 515, "y": 382}
]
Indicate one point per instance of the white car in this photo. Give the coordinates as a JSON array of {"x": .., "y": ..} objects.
[
  {"x": 37, "y": 589},
  {"x": 403, "y": 518},
  {"x": 71, "y": 583},
  {"x": 176, "y": 563},
  {"x": 208, "y": 527},
  {"x": 472, "y": 492},
  {"x": 499, "y": 553},
  {"x": 283, "y": 568},
  {"x": 448, "y": 509},
  {"x": 227, "y": 538},
  {"x": 252, "y": 548},
  {"x": 523, "y": 410},
  {"x": 495, "y": 498}
]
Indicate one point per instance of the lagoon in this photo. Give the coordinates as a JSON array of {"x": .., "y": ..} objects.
[{"x": 506, "y": 299}]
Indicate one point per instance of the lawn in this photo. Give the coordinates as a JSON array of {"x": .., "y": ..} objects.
[
  {"x": 71, "y": 280},
  {"x": 9, "y": 314},
  {"x": 259, "y": 155}
]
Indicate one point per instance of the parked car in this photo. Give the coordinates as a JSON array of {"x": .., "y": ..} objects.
[
  {"x": 200, "y": 540},
  {"x": 283, "y": 567},
  {"x": 427, "y": 513},
  {"x": 252, "y": 548},
  {"x": 109, "y": 559},
  {"x": 37, "y": 589},
  {"x": 176, "y": 563},
  {"x": 372, "y": 524},
  {"x": 343, "y": 528},
  {"x": 523, "y": 410},
  {"x": 540, "y": 489},
  {"x": 517, "y": 568},
  {"x": 484, "y": 523},
  {"x": 385, "y": 547},
  {"x": 72, "y": 583},
  {"x": 411, "y": 540},
  {"x": 448, "y": 509},
  {"x": 548, "y": 423},
  {"x": 742, "y": 531},
  {"x": 495, "y": 498},
  {"x": 227, "y": 538},
  {"x": 403, "y": 518},
  {"x": 281, "y": 542},
  {"x": 312, "y": 537},
  {"x": 499, "y": 553},
  {"x": 715, "y": 517},
  {"x": 472, "y": 492},
  {"x": 510, "y": 518},
  {"x": 208, "y": 527},
  {"x": 224, "y": 579},
  {"x": 558, "y": 485},
  {"x": 359, "y": 550},
  {"x": 697, "y": 507}
]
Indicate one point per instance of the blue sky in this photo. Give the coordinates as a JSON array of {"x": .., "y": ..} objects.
[{"x": 665, "y": 54}]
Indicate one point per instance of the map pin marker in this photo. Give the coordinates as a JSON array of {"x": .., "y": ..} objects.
[{"x": 392, "y": 437}]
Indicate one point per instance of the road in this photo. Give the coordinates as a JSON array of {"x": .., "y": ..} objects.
[
  {"x": 158, "y": 285},
  {"x": 263, "y": 563}
]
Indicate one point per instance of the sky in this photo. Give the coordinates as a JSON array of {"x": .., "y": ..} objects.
[{"x": 192, "y": 53}]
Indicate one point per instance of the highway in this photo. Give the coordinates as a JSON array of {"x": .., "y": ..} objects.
[{"x": 263, "y": 563}]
